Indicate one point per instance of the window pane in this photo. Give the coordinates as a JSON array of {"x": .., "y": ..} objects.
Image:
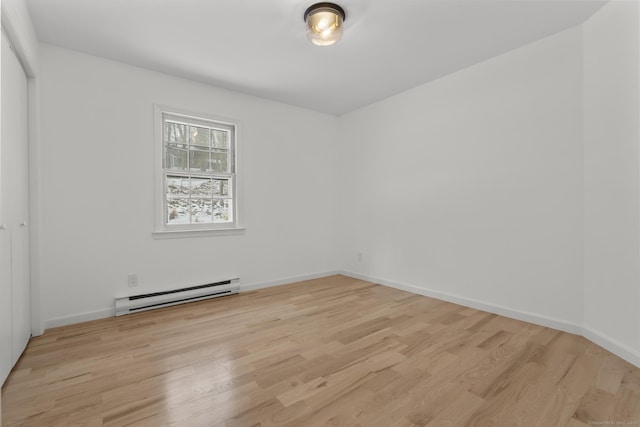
[
  {"x": 200, "y": 187},
  {"x": 175, "y": 133},
  {"x": 198, "y": 136},
  {"x": 222, "y": 210},
  {"x": 220, "y": 187},
  {"x": 220, "y": 139},
  {"x": 175, "y": 159},
  {"x": 177, "y": 186},
  {"x": 199, "y": 160},
  {"x": 220, "y": 161},
  {"x": 178, "y": 211},
  {"x": 201, "y": 210}
]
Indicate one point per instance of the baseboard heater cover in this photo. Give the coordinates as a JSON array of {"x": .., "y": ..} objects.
[{"x": 164, "y": 298}]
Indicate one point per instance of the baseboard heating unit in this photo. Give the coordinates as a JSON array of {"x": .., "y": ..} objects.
[{"x": 164, "y": 298}]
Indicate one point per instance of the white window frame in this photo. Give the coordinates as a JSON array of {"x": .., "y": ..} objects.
[{"x": 162, "y": 228}]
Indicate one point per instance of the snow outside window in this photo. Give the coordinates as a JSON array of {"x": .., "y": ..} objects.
[{"x": 198, "y": 173}]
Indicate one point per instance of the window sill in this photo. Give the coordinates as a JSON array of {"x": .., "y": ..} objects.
[{"x": 179, "y": 234}]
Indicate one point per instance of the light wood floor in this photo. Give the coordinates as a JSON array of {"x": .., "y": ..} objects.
[{"x": 334, "y": 351}]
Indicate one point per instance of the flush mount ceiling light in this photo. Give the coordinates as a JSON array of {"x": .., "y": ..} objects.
[{"x": 324, "y": 23}]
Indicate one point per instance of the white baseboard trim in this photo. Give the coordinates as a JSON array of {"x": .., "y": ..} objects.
[
  {"x": 548, "y": 321},
  {"x": 612, "y": 345},
  {"x": 79, "y": 318},
  {"x": 589, "y": 333},
  {"x": 110, "y": 312},
  {"x": 286, "y": 281},
  {"x": 38, "y": 330}
]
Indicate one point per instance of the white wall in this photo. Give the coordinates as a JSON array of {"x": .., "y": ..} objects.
[
  {"x": 611, "y": 176},
  {"x": 511, "y": 185},
  {"x": 97, "y": 206},
  {"x": 469, "y": 188}
]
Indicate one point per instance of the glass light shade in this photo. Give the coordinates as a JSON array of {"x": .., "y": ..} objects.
[{"x": 324, "y": 26}]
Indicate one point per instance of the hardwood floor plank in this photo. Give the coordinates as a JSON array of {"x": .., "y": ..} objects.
[
  {"x": 596, "y": 406},
  {"x": 626, "y": 407},
  {"x": 334, "y": 351},
  {"x": 611, "y": 373},
  {"x": 565, "y": 398},
  {"x": 459, "y": 413}
]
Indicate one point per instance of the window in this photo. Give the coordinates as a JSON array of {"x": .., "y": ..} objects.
[{"x": 197, "y": 182}]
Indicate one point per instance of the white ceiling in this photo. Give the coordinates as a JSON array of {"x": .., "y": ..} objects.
[{"x": 259, "y": 46}]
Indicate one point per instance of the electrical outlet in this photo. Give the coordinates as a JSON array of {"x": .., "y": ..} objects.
[
  {"x": 132, "y": 280},
  {"x": 360, "y": 257}
]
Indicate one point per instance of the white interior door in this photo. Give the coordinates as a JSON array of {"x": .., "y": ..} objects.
[
  {"x": 6, "y": 323},
  {"x": 21, "y": 292},
  {"x": 14, "y": 208}
]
